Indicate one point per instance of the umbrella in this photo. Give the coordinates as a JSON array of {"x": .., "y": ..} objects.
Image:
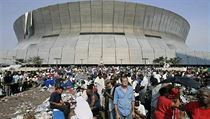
[{"x": 188, "y": 82}]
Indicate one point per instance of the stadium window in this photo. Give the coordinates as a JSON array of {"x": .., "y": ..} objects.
[
  {"x": 51, "y": 35},
  {"x": 102, "y": 33},
  {"x": 171, "y": 46},
  {"x": 152, "y": 36}
]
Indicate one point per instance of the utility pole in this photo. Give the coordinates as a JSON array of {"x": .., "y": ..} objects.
[
  {"x": 81, "y": 61},
  {"x": 121, "y": 61},
  {"x": 56, "y": 61},
  {"x": 145, "y": 61}
]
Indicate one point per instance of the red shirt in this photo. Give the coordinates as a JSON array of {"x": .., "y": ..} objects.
[
  {"x": 196, "y": 111},
  {"x": 174, "y": 93},
  {"x": 163, "y": 109}
]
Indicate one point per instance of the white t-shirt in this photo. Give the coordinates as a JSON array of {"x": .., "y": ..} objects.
[
  {"x": 157, "y": 76},
  {"x": 129, "y": 80},
  {"x": 142, "y": 110},
  {"x": 145, "y": 81},
  {"x": 1, "y": 78},
  {"x": 165, "y": 76},
  {"x": 134, "y": 84},
  {"x": 100, "y": 83}
]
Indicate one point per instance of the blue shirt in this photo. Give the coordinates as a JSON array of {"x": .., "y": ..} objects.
[
  {"x": 124, "y": 100},
  {"x": 55, "y": 97}
]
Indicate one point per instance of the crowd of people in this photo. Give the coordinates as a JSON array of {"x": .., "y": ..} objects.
[
  {"x": 120, "y": 92},
  {"x": 12, "y": 82}
]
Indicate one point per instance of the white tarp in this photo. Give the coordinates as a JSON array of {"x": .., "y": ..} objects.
[
  {"x": 11, "y": 67},
  {"x": 82, "y": 109}
]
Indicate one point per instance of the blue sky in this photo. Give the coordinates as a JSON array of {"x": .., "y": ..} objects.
[{"x": 196, "y": 12}]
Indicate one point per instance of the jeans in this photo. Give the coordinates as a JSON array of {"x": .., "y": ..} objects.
[
  {"x": 112, "y": 114},
  {"x": 8, "y": 90},
  {"x": 126, "y": 117}
]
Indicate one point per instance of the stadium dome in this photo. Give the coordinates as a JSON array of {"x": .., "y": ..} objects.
[{"x": 112, "y": 32}]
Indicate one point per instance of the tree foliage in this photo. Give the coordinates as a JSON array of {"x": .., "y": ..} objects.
[
  {"x": 20, "y": 61},
  {"x": 35, "y": 60},
  {"x": 162, "y": 60}
]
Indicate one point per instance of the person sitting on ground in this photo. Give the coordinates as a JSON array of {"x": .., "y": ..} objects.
[
  {"x": 56, "y": 102},
  {"x": 199, "y": 109}
]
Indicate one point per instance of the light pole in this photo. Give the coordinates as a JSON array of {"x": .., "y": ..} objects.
[
  {"x": 5, "y": 60},
  {"x": 56, "y": 60},
  {"x": 145, "y": 61},
  {"x": 13, "y": 59},
  {"x": 81, "y": 61},
  {"x": 188, "y": 57},
  {"x": 9, "y": 60},
  {"x": 101, "y": 63},
  {"x": 121, "y": 61}
]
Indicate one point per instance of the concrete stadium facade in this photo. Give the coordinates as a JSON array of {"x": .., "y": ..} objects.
[{"x": 112, "y": 32}]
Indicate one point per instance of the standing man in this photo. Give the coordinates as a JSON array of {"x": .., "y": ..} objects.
[
  {"x": 124, "y": 100},
  {"x": 110, "y": 85},
  {"x": 8, "y": 81},
  {"x": 93, "y": 101},
  {"x": 99, "y": 81}
]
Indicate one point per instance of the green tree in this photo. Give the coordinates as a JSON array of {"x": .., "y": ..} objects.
[
  {"x": 35, "y": 60},
  {"x": 20, "y": 61},
  {"x": 160, "y": 60},
  {"x": 174, "y": 61}
]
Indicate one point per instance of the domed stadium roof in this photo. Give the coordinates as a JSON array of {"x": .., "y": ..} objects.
[{"x": 112, "y": 32}]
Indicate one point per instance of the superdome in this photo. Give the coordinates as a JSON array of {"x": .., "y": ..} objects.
[{"x": 112, "y": 32}]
